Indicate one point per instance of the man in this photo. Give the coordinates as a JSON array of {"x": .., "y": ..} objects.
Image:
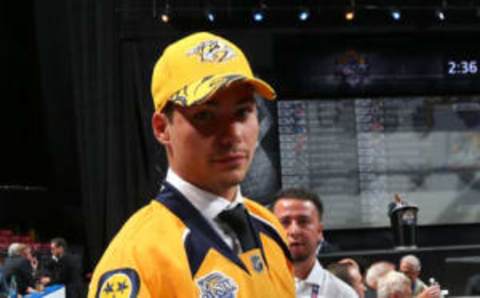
[
  {"x": 299, "y": 212},
  {"x": 64, "y": 268},
  {"x": 410, "y": 266},
  {"x": 350, "y": 274},
  {"x": 200, "y": 237},
  {"x": 19, "y": 266},
  {"x": 394, "y": 285}
]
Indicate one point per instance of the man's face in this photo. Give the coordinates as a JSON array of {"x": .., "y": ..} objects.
[
  {"x": 211, "y": 145},
  {"x": 409, "y": 270},
  {"x": 302, "y": 224},
  {"x": 27, "y": 253},
  {"x": 56, "y": 250},
  {"x": 358, "y": 284}
]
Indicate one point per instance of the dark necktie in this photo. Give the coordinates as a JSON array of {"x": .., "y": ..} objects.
[{"x": 237, "y": 220}]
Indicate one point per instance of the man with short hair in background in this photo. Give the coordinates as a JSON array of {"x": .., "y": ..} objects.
[
  {"x": 64, "y": 268},
  {"x": 299, "y": 211}
]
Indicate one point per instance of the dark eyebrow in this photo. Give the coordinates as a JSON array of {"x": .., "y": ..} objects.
[{"x": 240, "y": 101}]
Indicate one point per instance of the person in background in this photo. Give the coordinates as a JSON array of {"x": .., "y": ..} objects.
[
  {"x": 350, "y": 273},
  {"x": 396, "y": 203},
  {"x": 20, "y": 265},
  {"x": 200, "y": 237},
  {"x": 63, "y": 268},
  {"x": 299, "y": 211},
  {"x": 376, "y": 271},
  {"x": 410, "y": 266},
  {"x": 394, "y": 285}
]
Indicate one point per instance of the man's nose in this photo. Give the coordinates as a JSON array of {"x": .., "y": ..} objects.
[
  {"x": 231, "y": 132},
  {"x": 293, "y": 228}
]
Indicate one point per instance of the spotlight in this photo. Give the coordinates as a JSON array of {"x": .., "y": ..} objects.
[
  {"x": 396, "y": 14},
  {"x": 303, "y": 14},
  {"x": 165, "y": 17},
  {"x": 349, "y": 15},
  {"x": 258, "y": 16},
  {"x": 210, "y": 16},
  {"x": 440, "y": 15}
]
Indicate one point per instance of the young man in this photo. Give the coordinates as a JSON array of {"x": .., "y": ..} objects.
[
  {"x": 299, "y": 212},
  {"x": 200, "y": 237}
]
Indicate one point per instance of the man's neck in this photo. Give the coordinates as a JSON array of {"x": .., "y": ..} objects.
[
  {"x": 303, "y": 269},
  {"x": 229, "y": 193}
]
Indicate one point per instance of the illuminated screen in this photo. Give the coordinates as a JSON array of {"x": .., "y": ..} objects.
[{"x": 357, "y": 153}]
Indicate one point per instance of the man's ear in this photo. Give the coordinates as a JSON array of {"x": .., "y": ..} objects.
[
  {"x": 161, "y": 127},
  {"x": 320, "y": 231}
]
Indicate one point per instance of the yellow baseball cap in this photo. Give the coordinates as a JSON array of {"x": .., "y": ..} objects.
[{"x": 192, "y": 69}]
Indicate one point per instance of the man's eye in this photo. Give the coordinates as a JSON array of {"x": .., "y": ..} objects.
[
  {"x": 244, "y": 112},
  {"x": 203, "y": 116},
  {"x": 285, "y": 222}
]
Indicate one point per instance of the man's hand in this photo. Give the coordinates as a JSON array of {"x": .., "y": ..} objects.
[{"x": 430, "y": 292}]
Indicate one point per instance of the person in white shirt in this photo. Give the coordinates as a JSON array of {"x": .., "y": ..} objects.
[{"x": 298, "y": 212}]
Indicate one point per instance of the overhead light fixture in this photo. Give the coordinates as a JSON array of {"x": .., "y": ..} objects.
[
  {"x": 165, "y": 15},
  {"x": 349, "y": 15},
  {"x": 440, "y": 14},
  {"x": 258, "y": 15},
  {"x": 210, "y": 15},
  {"x": 396, "y": 14},
  {"x": 303, "y": 14}
]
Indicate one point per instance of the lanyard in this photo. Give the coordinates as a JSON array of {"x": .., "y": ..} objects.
[{"x": 315, "y": 290}]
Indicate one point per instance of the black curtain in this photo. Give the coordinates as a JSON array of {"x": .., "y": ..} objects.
[{"x": 112, "y": 106}]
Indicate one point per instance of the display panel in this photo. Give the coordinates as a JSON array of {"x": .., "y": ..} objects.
[{"x": 357, "y": 153}]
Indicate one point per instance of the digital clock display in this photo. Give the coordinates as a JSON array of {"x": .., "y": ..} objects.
[{"x": 462, "y": 67}]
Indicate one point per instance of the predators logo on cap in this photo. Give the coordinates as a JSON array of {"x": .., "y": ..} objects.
[
  {"x": 212, "y": 51},
  {"x": 119, "y": 283}
]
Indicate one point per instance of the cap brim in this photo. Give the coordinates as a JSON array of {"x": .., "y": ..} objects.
[{"x": 202, "y": 90}]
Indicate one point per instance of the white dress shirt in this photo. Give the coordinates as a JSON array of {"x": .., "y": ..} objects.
[
  {"x": 328, "y": 285},
  {"x": 208, "y": 204}
]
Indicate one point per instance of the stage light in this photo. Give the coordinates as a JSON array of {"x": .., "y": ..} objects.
[
  {"x": 165, "y": 17},
  {"x": 349, "y": 15},
  {"x": 440, "y": 15},
  {"x": 303, "y": 14},
  {"x": 396, "y": 14},
  {"x": 258, "y": 16},
  {"x": 210, "y": 15}
]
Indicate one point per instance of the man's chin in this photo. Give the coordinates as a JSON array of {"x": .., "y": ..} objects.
[
  {"x": 233, "y": 178},
  {"x": 299, "y": 258}
]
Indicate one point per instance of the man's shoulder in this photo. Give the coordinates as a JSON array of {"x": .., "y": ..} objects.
[
  {"x": 258, "y": 210},
  {"x": 268, "y": 220},
  {"x": 263, "y": 214},
  {"x": 146, "y": 228}
]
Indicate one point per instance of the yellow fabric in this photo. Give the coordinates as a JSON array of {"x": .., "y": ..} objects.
[
  {"x": 151, "y": 245},
  {"x": 195, "y": 67}
]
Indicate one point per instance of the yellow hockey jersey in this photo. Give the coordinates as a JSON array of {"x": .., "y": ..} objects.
[{"x": 168, "y": 249}]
